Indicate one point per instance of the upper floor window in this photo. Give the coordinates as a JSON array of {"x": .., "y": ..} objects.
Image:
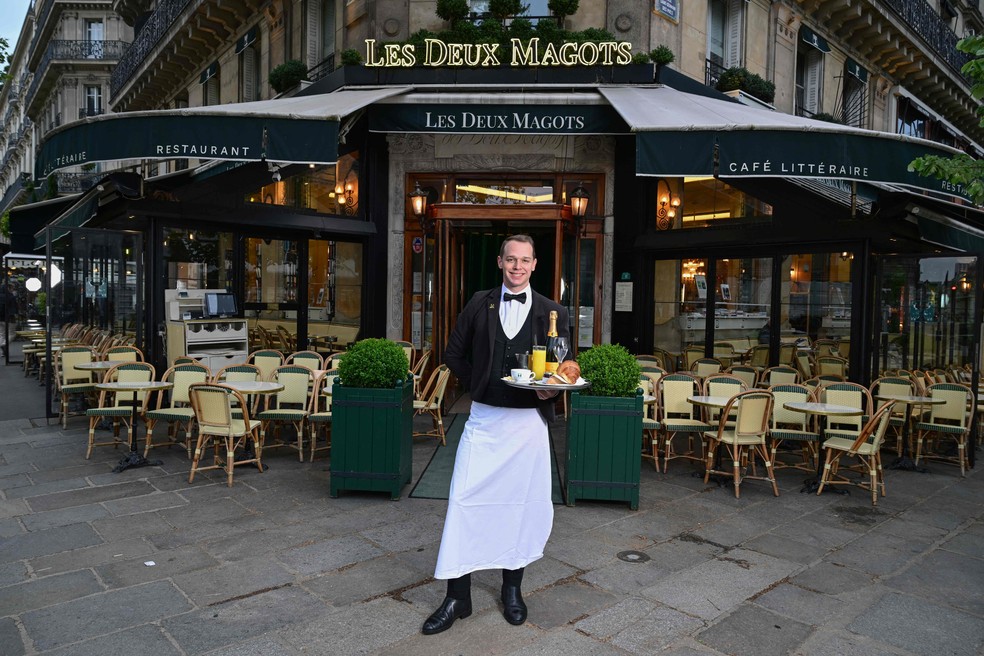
[
  {"x": 809, "y": 72},
  {"x": 320, "y": 34},
  {"x": 210, "y": 84},
  {"x": 93, "y": 100},
  {"x": 855, "y": 100},
  {"x": 724, "y": 32},
  {"x": 249, "y": 65},
  {"x": 94, "y": 36}
]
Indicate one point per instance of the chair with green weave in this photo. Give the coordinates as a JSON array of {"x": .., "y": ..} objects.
[
  {"x": 174, "y": 406},
  {"x": 118, "y": 405},
  {"x": 291, "y": 405}
]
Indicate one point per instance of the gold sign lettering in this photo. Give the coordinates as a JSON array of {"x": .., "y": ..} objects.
[{"x": 475, "y": 55}]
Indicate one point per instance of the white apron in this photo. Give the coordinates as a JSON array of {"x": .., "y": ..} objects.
[{"x": 500, "y": 511}]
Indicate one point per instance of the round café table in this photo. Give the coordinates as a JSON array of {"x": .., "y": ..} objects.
[
  {"x": 822, "y": 410},
  {"x": 905, "y": 461},
  {"x": 134, "y": 458},
  {"x": 99, "y": 365},
  {"x": 252, "y": 387}
]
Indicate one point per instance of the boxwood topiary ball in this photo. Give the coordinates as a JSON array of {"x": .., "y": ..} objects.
[
  {"x": 611, "y": 369},
  {"x": 373, "y": 363}
]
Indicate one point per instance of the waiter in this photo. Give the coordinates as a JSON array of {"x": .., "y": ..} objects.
[{"x": 500, "y": 510}]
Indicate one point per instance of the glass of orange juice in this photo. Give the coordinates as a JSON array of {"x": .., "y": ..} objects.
[{"x": 538, "y": 361}]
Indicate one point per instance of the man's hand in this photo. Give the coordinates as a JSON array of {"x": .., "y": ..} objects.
[{"x": 544, "y": 394}]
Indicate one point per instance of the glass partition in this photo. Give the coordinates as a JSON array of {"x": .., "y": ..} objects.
[
  {"x": 742, "y": 302},
  {"x": 196, "y": 259},
  {"x": 816, "y": 297},
  {"x": 271, "y": 284},
  {"x": 334, "y": 294}
]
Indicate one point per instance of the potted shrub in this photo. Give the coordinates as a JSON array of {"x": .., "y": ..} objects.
[
  {"x": 739, "y": 78},
  {"x": 661, "y": 56},
  {"x": 372, "y": 419},
  {"x": 604, "y": 432},
  {"x": 288, "y": 75}
]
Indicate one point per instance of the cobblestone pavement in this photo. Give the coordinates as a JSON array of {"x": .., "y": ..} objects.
[{"x": 141, "y": 562}]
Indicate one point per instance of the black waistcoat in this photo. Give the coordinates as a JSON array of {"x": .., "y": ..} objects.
[{"x": 503, "y": 361}]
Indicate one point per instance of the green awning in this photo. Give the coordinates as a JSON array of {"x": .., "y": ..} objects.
[
  {"x": 855, "y": 69},
  {"x": 247, "y": 39},
  {"x": 951, "y": 235},
  {"x": 303, "y": 130},
  {"x": 209, "y": 72},
  {"x": 810, "y": 37},
  {"x": 679, "y": 134}
]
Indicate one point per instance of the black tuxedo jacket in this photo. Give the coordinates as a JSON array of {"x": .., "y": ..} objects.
[{"x": 470, "y": 346}]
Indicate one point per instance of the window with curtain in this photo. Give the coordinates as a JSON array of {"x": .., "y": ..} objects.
[
  {"x": 93, "y": 100},
  {"x": 809, "y": 78}
]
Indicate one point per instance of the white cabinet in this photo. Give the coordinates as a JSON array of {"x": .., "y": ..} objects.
[{"x": 216, "y": 343}]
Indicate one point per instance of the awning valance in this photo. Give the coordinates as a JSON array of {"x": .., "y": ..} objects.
[
  {"x": 211, "y": 71},
  {"x": 855, "y": 69},
  {"x": 298, "y": 129},
  {"x": 679, "y": 134},
  {"x": 247, "y": 39},
  {"x": 812, "y": 38}
]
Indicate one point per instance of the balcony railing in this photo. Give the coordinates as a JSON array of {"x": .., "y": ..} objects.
[
  {"x": 11, "y": 194},
  {"x": 42, "y": 18},
  {"x": 924, "y": 21},
  {"x": 85, "y": 112},
  {"x": 323, "y": 68},
  {"x": 712, "y": 72},
  {"x": 77, "y": 51},
  {"x": 54, "y": 122},
  {"x": 153, "y": 31}
]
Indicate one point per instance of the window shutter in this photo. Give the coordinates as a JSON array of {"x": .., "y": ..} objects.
[
  {"x": 249, "y": 74},
  {"x": 313, "y": 45},
  {"x": 814, "y": 75},
  {"x": 735, "y": 47},
  {"x": 212, "y": 91}
]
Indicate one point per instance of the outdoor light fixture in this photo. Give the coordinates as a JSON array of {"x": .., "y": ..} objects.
[
  {"x": 667, "y": 205},
  {"x": 579, "y": 201},
  {"x": 32, "y": 284},
  {"x": 276, "y": 174},
  {"x": 345, "y": 196},
  {"x": 418, "y": 205}
]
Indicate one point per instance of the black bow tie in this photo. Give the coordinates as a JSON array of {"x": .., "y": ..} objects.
[{"x": 514, "y": 297}]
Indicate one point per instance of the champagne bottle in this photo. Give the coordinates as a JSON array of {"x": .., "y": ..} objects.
[{"x": 551, "y": 342}]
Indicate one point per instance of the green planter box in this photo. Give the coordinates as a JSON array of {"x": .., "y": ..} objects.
[
  {"x": 604, "y": 437},
  {"x": 371, "y": 439}
]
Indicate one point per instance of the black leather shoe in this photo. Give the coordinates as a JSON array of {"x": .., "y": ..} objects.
[
  {"x": 513, "y": 607},
  {"x": 444, "y": 617}
]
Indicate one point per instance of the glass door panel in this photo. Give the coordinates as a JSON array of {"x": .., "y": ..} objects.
[
  {"x": 742, "y": 302},
  {"x": 271, "y": 282}
]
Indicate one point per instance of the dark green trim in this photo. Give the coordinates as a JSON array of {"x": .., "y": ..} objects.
[
  {"x": 496, "y": 119},
  {"x": 810, "y": 37},
  {"x": 856, "y": 70}
]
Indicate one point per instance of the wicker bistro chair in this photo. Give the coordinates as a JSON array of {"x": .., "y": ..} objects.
[
  {"x": 832, "y": 365},
  {"x": 118, "y": 406},
  {"x": 649, "y": 384},
  {"x": 825, "y": 347},
  {"x": 72, "y": 381},
  {"x": 409, "y": 350},
  {"x": 418, "y": 369},
  {"x": 290, "y": 405},
  {"x": 746, "y": 373},
  {"x": 849, "y": 394},
  {"x": 790, "y": 426},
  {"x": 758, "y": 357},
  {"x": 867, "y": 447},
  {"x": 691, "y": 354},
  {"x": 724, "y": 352},
  {"x": 703, "y": 367},
  {"x": 721, "y": 385},
  {"x": 320, "y": 417},
  {"x": 677, "y": 415},
  {"x": 215, "y": 408},
  {"x": 752, "y": 411},
  {"x": 804, "y": 365},
  {"x": 950, "y": 420},
  {"x": 779, "y": 375},
  {"x": 308, "y": 359},
  {"x": 899, "y": 417},
  {"x": 787, "y": 353},
  {"x": 174, "y": 406},
  {"x": 430, "y": 399},
  {"x": 266, "y": 361},
  {"x": 125, "y": 354}
]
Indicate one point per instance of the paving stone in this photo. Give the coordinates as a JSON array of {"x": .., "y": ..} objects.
[
  {"x": 638, "y": 626},
  {"x": 10, "y": 526},
  {"x": 90, "y": 495},
  {"x": 13, "y": 508},
  {"x": 408, "y": 534},
  {"x": 50, "y": 519},
  {"x": 207, "y": 587},
  {"x": 879, "y": 554},
  {"x": 265, "y": 538},
  {"x": 755, "y": 631},
  {"x": 100, "y": 554},
  {"x": 364, "y": 581},
  {"x": 31, "y": 492},
  {"x": 482, "y": 634},
  {"x": 785, "y": 548},
  {"x": 831, "y": 579},
  {"x": 948, "y": 515},
  {"x": 920, "y": 626},
  {"x": 169, "y": 563},
  {"x": 811, "y": 531},
  {"x": 14, "y": 468},
  {"x": 717, "y": 585},
  {"x": 966, "y": 543},
  {"x": 329, "y": 555},
  {"x": 14, "y": 481},
  {"x": 562, "y": 604},
  {"x": 348, "y": 633},
  {"x": 145, "y": 503},
  {"x": 636, "y": 532},
  {"x": 687, "y": 650},
  {"x": 568, "y": 642},
  {"x": 905, "y": 528},
  {"x": 99, "y": 614},
  {"x": 266, "y": 645},
  {"x": 48, "y": 590},
  {"x": 83, "y": 470},
  {"x": 800, "y": 604},
  {"x": 10, "y": 639},
  {"x": 734, "y": 530},
  {"x": 222, "y": 509},
  {"x": 13, "y": 573},
  {"x": 146, "y": 640},
  {"x": 131, "y": 526},
  {"x": 43, "y": 543},
  {"x": 825, "y": 643},
  {"x": 946, "y": 577},
  {"x": 583, "y": 551}
]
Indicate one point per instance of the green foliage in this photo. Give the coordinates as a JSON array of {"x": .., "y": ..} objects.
[
  {"x": 351, "y": 57},
  {"x": 287, "y": 75},
  {"x": 962, "y": 170},
  {"x": 452, "y": 11},
  {"x": 5, "y": 224},
  {"x": 550, "y": 32},
  {"x": 51, "y": 187},
  {"x": 611, "y": 369},
  {"x": 741, "y": 78},
  {"x": 661, "y": 55},
  {"x": 595, "y": 34},
  {"x": 373, "y": 363},
  {"x": 824, "y": 116},
  {"x": 503, "y": 9},
  {"x": 563, "y": 8},
  {"x": 41, "y": 302},
  {"x": 640, "y": 58}
]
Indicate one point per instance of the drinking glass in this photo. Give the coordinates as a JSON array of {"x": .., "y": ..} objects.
[
  {"x": 538, "y": 361},
  {"x": 561, "y": 347}
]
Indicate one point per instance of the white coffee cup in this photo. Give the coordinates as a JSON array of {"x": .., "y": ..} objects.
[{"x": 522, "y": 375}]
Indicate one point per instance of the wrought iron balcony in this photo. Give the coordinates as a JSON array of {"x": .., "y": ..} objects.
[
  {"x": 12, "y": 192},
  {"x": 151, "y": 33},
  {"x": 60, "y": 50},
  {"x": 85, "y": 112},
  {"x": 712, "y": 72},
  {"x": 323, "y": 68},
  {"x": 937, "y": 33}
]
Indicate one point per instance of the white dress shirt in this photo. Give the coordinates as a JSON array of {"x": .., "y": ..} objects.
[{"x": 512, "y": 314}]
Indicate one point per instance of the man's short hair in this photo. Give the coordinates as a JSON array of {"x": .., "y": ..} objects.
[{"x": 526, "y": 239}]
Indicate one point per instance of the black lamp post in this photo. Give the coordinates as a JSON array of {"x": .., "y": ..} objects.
[
  {"x": 418, "y": 205},
  {"x": 579, "y": 209}
]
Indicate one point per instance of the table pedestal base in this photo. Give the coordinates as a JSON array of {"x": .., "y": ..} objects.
[
  {"x": 135, "y": 459},
  {"x": 906, "y": 463},
  {"x": 811, "y": 485}
]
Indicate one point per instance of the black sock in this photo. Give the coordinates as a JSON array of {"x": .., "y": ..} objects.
[
  {"x": 460, "y": 588},
  {"x": 513, "y": 577}
]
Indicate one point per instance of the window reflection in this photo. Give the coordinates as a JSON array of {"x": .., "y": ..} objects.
[{"x": 708, "y": 201}]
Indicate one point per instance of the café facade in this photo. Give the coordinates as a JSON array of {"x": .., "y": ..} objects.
[{"x": 665, "y": 214}]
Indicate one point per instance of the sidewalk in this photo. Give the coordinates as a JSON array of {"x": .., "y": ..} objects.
[{"x": 274, "y": 567}]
